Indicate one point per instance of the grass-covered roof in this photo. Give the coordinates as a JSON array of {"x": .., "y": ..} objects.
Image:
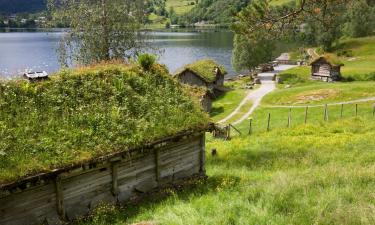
[
  {"x": 205, "y": 69},
  {"x": 88, "y": 112},
  {"x": 330, "y": 58}
]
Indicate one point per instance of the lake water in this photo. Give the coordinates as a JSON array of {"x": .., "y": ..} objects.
[{"x": 36, "y": 51}]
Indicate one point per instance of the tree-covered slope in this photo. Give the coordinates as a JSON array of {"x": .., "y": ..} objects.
[{"x": 216, "y": 11}]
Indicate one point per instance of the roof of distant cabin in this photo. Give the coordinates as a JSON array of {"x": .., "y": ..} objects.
[
  {"x": 329, "y": 58},
  {"x": 204, "y": 69}
]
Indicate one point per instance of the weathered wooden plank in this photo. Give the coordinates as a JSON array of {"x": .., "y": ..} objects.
[
  {"x": 76, "y": 192},
  {"x": 60, "y": 206},
  {"x": 115, "y": 190}
]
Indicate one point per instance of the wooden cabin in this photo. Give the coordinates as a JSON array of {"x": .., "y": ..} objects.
[
  {"x": 204, "y": 73},
  {"x": 326, "y": 68}
]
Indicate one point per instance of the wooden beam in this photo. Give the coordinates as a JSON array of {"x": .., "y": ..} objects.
[
  {"x": 60, "y": 206},
  {"x": 114, "y": 188},
  {"x": 202, "y": 155},
  {"x": 157, "y": 164}
]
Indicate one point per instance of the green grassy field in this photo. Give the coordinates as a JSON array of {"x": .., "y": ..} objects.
[
  {"x": 321, "y": 92},
  {"x": 321, "y": 172},
  {"x": 180, "y": 6},
  {"x": 310, "y": 174},
  {"x": 226, "y": 103},
  {"x": 280, "y": 2},
  {"x": 361, "y": 59}
]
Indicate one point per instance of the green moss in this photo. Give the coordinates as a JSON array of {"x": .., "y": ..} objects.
[
  {"x": 205, "y": 69},
  {"x": 89, "y": 112}
]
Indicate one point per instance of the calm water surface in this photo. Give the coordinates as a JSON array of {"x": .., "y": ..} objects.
[{"x": 24, "y": 51}]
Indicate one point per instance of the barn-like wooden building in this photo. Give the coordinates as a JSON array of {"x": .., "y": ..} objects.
[
  {"x": 326, "y": 68},
  {"x": 204, "y": 73}
]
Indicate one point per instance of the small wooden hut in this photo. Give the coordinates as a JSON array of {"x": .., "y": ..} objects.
[
  {"x": 326, "y": 68},
  {"x": 204, "y": 73}
]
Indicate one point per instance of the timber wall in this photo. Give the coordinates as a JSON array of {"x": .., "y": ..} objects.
[{"x": 68, "y": 194}]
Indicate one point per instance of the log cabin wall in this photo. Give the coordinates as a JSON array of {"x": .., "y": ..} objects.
[{"x": 73, "y": 193}]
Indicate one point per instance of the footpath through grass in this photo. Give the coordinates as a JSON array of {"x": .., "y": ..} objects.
[{"x": 310, "y": 174}]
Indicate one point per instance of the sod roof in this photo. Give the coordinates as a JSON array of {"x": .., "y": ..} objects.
[
  {"x": 330, "y": 58},
  {"x": 86, "y": 113},
  {"x": 204, "y": 69}
]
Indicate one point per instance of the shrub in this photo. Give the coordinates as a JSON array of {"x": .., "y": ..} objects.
[{"x": 146, "y": 61}]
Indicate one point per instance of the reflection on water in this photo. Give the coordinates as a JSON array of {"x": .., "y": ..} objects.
[{"x": 23, "y": 51}]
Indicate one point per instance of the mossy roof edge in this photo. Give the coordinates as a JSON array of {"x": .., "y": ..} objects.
[
  {"x": 54, "y": 173},
  {"x": 204, "y": 69}
]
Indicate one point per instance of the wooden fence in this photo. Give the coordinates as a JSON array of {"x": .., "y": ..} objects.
[
  {"x": 70, "y": 193},
  {"x": 267, "y": 124}
]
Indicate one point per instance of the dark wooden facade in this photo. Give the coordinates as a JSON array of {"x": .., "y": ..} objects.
[
  {"x": 322, "y": 69},
  {"x": 72, "y": 192}
]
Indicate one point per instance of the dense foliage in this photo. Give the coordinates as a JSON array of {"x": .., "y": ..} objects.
[
  {"x": 86, "y": 113},
  {"x": 320, "y": 23},
  {"x": 214, "y": 11}
]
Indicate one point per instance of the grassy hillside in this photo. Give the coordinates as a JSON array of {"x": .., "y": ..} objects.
[
  {"x": 180, "y": 6},
  {"x": 86, "y": 113},
  {"x": 313, "y": 174},
  {"x": 321, "y": 172},
  {"x": 358, "y": 56}
]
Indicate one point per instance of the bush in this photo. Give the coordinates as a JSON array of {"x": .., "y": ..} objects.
[{"x": 146, "y": 61}]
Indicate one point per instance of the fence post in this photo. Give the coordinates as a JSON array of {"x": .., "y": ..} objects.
[
  {"x": 251, "y": 126},
  {"x": 290, "y": 118},
  {"x": 326, "y": 112},
  {"x": 342, "y": 110},
  {"x": 269, "y": 121},
  {"x": 306, "y": 111},
  {"x": 228, "y": 132},
  {"x": 356, "y": 110}
]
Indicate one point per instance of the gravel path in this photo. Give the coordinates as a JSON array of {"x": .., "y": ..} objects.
[{"x": 256, "y": 96}]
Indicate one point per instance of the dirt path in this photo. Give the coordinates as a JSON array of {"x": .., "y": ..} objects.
[
  {"x": 322, "y": 105},
  {"x": 256, "y": 96}
]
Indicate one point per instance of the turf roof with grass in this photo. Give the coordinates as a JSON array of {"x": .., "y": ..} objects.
[
  {"x": 205, "y": 69},
  {"x": 330, "y": 58},
  {"x": 86, "y": 113}
]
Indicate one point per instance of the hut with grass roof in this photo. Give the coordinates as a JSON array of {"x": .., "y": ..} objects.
[
  {"x": 204, "y": 73},
  {"x": 326, "y": 68},
  {"x": 99, "y": 134}
]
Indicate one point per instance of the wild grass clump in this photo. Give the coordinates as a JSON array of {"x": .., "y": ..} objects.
[{"x": 89, "y": 112}]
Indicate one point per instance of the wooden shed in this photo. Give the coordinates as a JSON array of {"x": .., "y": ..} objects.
[
  {"x": 204, "y": 73},
  {"x": 69, "y": 193},
  {"x": 326, "y": 68}
]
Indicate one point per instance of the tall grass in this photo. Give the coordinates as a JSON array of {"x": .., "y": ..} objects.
[{"x": 310, "y": 174}]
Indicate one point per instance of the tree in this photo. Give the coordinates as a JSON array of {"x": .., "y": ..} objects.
[
  {"x": 249, "y": 53},
  {"x": 100, "y": 30},
  {"x": 360, "y": 19}
]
